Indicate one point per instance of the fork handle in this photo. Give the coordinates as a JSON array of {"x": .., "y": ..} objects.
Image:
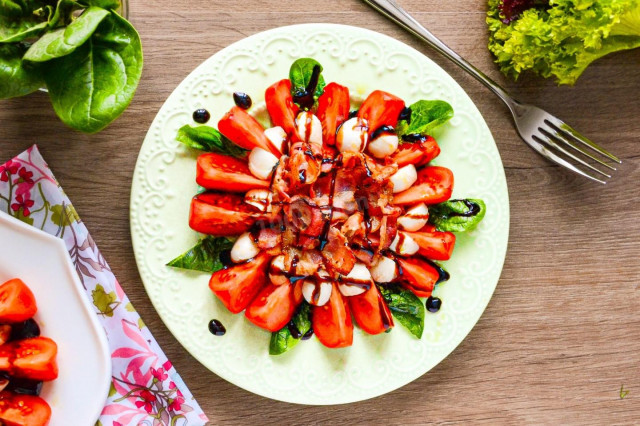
[{"x": 402, "y": 18}]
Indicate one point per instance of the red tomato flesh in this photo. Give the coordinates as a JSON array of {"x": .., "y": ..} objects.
[
  {"x": 333, "y": 110},
  {"x": 221, "y": 214},
  {"x": 273, "y": 308},
  {"x": 381, "y": 109},
  {"x": 17, "y": 303},
  {"x": 417, "y": 153},
  {"x": 33, "y": 358},
  {"x": 23, "y": 410},
  {"x": 282, "y": 109},
  {"x": 243, "y": 130},
  {"x": 238, "y": 285},
  {"x": 434, "y": 245},
  {"x": 224, "y": 173},
  {"x": 370, "y": 311},
  {"x": 434, "y": 185},
  {"x": 332, "y": 322},
  {"x": 418, "y": 276}
]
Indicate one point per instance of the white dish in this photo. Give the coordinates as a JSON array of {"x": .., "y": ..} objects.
[{"x": 64, "y": 314}]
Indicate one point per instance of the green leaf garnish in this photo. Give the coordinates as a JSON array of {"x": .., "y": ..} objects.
[
  {"x": 16, "y": 79},
  {"x": 425, "y": 117},
  {"x": 405, "y": 306},
  {"x": 282, "y": 341},
  {"x": 208, "y": 139},
  {"x": 204, "y": 256},
  {"x": 300, "y": 74},
  {"x": 457, "y": 215}
]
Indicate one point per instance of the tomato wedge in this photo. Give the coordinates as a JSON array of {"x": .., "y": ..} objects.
[
  {"x": 434, "y": 185},
  {"x": 33, "y": 358},
  {"x": 381, "y": 109},
  {"x": 17, "y": 303},
  {"x": 333, "y": 110},
  {"x": 219, "y": 214},
  {"x": 23, "y": 410},
  {"x": 273, "y": 308},
  {"x": 282, "y": 109},
  {"x": 243, "y": 130},
  {"x": 418, "y": 276},
  {"x": 434, "y": 245},
  {"x": 370, "y": 311},
  {"x": 224, "y": 173},
  {"x": 332, "y": 322},
  {"x": 238, "y": 285},
  {"x": 416, "y": 153}
]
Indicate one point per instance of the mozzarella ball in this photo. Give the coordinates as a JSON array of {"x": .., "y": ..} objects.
[
  {"x": 305, "y": 121},
  {"x": 352, "y": 135},
  {"x": 276, "y": 271},
  {"x": 384, "y": 270},
  {"x": 244, "y": 248},
  {"x": 277, "y": 137},
  {"x": 316, "y": 294},
  {"x": 384, "y": 145},
  {"x": 259, "y": 198},
  {"x": 415, "y": 218},
  {"x": 404, "y": 178},
  {"x": 262, "y": 163},
  {"x": 404, "y": 244},
  {"x": 359, "y": 275}
]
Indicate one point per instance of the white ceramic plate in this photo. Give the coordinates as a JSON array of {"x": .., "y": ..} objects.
[
  {"x": 164, "y": 183},
  {"x": 64, "y": 314}
]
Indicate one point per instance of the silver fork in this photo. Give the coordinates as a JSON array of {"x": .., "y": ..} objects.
[{"x": 549, "y": 136}]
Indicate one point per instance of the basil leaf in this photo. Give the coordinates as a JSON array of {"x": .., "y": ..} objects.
[
  {"x": 300, "y": 74},
  {"x": 282, "y": 341},
  {"x": 405, "y": 306},
  {"x": 15, "y": 78},
  {"x": 105, "y": 4},
  {"x": 457, "y": 215},
  {"x": 425, "y": 117},
  {"x": 63, "y": 41},
  {"x": 92, "y": 86},
  {"x": 208, "y": 139},
  {"x": 204, "y": 256}
]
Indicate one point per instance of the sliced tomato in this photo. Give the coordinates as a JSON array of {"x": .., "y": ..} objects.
[
  {"x": 33, "y": 358},
  {"x": 332, "y": 322},
  {"x": 273, "y": 308},
  {"x": 416, "y": 153},
  {"x": 16, "y": 302},
  {"x": 23, "y": 410},
  {"x": 434, "y": 245},
  {"x": 224, "y": 173},
  {"x": 219, "y": 214},
  {"x": 418, "y": 276},
  {"x": 282, "y": 109},
  {"x": 333, "y": 110},
  {"x": 243, "y": 130},
  {"x": 434, "y": 185},
  {"x": 238, "y": 285},
  {"x": 381, "y": 109},
  {"x": 428, "y": 228},
  {"x": 371, "y": 311}
]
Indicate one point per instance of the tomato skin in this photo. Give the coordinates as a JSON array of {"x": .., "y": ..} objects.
[
  {"x": 434, "y": 245},
  {"x": 333, "y": 110},
  {"x": 418, "y": 276},
  {"x": 221, "y": 214},
  {"x": 17, "y": 302},
  {"x": 33, "y": 358},
  {"x": 273, "y": 307},
  {"x": 418, "y": 153},
  {"x": 381, "y": 109},
  {"x": 243, "y": 130},
  {"x": 369, "y": 309},
  {"x": 23, "y": 410},
  {"x": 225, "y": 173},
  {"x": 332, "y": 322},
  {"x": 434, "y": 185},
  {"x": 282, "y": 109},
  {"x": 238, "y": 285}
]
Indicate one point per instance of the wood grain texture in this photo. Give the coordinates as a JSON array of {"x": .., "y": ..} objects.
[{"x": 562, "y": 332}]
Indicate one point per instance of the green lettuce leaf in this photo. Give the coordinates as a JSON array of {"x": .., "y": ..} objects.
[
  {"x": 208, "y": 139},
  {"x": 425, "y": 117},
  {"x": 457, "y": 215},
  {"x": 204, "y": 256},
  {"x": 405, "y": 306},
  {"x": 282, "y": 341}
]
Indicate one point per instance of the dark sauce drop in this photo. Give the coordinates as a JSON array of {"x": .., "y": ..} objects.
[
  {"x": 405, "y": 114},
  {"x": 474, "y": 209},
  {"x": 305, "y": 97},
  {"x": 443, "y": 275},
  {"x": 308, "y": 334},
  {"x": 225, "y": 258},
  {"x": 414, "y": 138},
  {"x": 382, "y": 130},
  {"x": 295, "y": 333},
  {"x": 216, "y": 328},
  {"x": 21, "y": 386},
  {"x": 433, "y": 304},
  {"x": 201, "y": 116},
  {"x": 242, "y": 100},
  {"x": 353, "y": 113},
  {"x": 25, "y": 330}
]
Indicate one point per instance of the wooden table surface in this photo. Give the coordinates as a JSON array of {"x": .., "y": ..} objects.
[{"x": 562, "y": 332}]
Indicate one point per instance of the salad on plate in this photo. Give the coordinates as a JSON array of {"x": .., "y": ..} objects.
[{"x": 332, "y": 216}]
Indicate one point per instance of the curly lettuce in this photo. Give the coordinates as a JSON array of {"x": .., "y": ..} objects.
[{"x": 560, "y": 38}]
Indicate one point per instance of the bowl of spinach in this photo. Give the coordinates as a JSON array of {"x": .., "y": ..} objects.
[{"x": 84, "y": 52}]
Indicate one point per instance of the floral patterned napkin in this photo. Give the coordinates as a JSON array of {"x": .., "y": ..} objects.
[{"x": 145, "y": 388}]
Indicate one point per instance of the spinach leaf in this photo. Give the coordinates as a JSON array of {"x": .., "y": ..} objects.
[
  {"x": 15, "y": 78},
  {"x": 282, "y": 341},
  {"x": 306, "y": 86},
  {"x": 405, "y": 307},
  {"x": 204, "y": 256},
  {"x": 17, "y": 29},
  {"x": 425, "y": 117},
  {"x": 63, "y": 13},
  {"x": 457, "y": 215},
  {"x": 208, "y": 139},
  {"x": 105, "y": 4},
  {"x": 92, "y": 86},
  {"x": 63, "y": 41},
  {"x": 11, "y": 8}
]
